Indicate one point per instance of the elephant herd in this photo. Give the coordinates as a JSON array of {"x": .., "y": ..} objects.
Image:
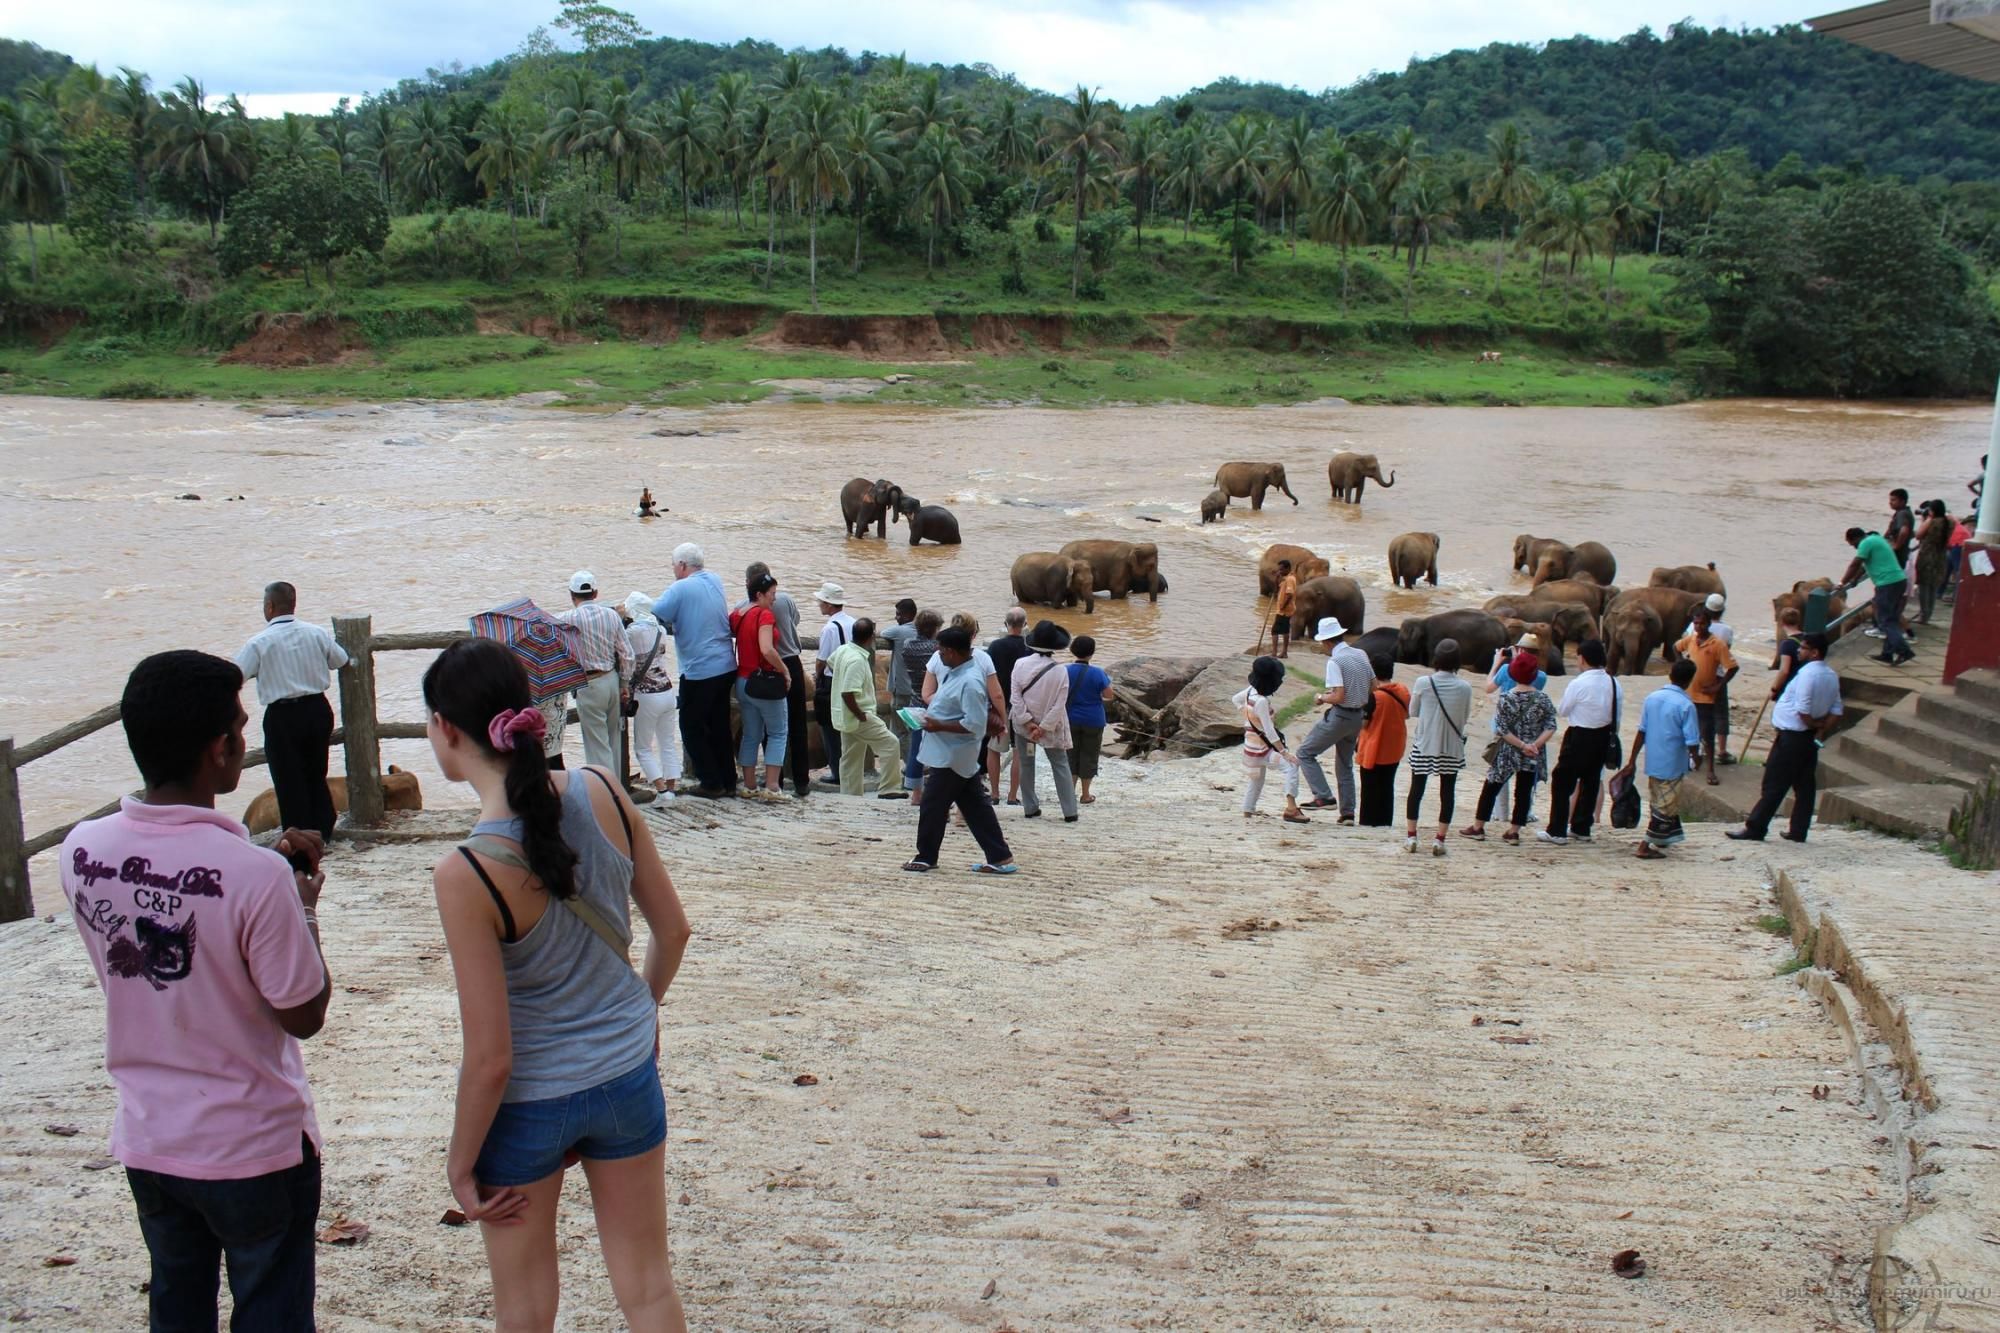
[
  {"x": 1347, "y": 474},
  {"x": 877, "y": 504}
]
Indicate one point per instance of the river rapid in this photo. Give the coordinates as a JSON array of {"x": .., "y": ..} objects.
[{"x": 420, "y": 514}]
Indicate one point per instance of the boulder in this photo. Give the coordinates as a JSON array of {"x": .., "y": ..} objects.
[
  {"x": 1200, "y": 718},
  {"x": 1154, "y": 681}
]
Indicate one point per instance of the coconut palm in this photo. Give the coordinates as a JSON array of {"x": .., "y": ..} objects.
[
  {"x": 503, "y": 159},
  {"x": 1570, "y": 223},
  {"x": 1623, "y": 210},
  {"x": 1145, "y": 159},
  {"x": 812, "y": 162},
  {"x": 430, "y": 151},
  {"x": 132, "y": 104},
  {"x": 378, "y": 124},
  {"x": 727, "y": 110},
  {"x": 1509, "y": 183},
  {"x": 1398, "y": 164},
  {"x": 1289, "y": 175},
  {"x": 1187, "y": 167},
  {"x": 624, "y": 137},
  {"x": 1010, "y": 138},
  {"x": 30, "y": 170},
  {"x": 575, "y": 116},
  {"x": 685, "y": 137},
  {"x": 1242, "y": 152},
  {"x": 1342, "y": 199},
  {"x": 294, "y": 139},
  {"x": 1423, "y": 209},
  {"x": 197, "y": 145},
  {"x": 942, "y": 179},
  {"x": 868, "y": 156},
  {"x": 1082, "y": 134},
  {"x": 931, "y": 106}
]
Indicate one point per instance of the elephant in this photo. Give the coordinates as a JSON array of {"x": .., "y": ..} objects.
[
  {"x": 1689, "y": 578},
  {"x": 928, "y": 523},
  {"x": 1305, "y": 565},
  {"x": 1215, "y": 504},
  {"x": 1836, "y": 606},
  {"x": 1528, "y": 552},
  {"x": 1120, "y": 568},
  {"x": 1672, "y": 605},
  {"x": 1253, "y": 480},
  {"x": 1350, "y": 473},
  {"x": 1632, "y": 630},
  {"x": 1328, "y": 595},
  {"x": 1567, "y": 621},
  {"x": 1583, "y": 591},
  {"x": 1556, "y": 561},
  {"x": 1412, "y": 556},
  {"x": 1049, "y": 579},
  {"x": 1550, "y": 647},
  {"x": 863, "y": 502},
  {"x": 1479, "y": 636},
  {"x": 1379, "y": 642},
  {"x": 1596, "y": 560}
]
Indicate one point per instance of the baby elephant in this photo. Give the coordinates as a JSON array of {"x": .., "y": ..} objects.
[{"x": 1214, "y": 505}]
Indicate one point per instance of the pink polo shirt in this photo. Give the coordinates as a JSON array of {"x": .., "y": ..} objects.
[{"x": 198, "y": 938}]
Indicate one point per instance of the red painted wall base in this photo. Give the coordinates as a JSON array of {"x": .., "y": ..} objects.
[{"x": 1975, "y": 617}]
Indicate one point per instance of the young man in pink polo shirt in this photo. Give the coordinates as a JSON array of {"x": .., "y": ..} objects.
[{"x": 208, "y": 951}]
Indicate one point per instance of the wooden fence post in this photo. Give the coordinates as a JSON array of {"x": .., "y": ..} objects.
[
  {"x": 17, "y": 901},
  {"x": 357, "y": 718}
]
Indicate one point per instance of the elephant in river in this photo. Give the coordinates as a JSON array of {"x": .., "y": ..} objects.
[
  {"x": 1305, "y": 565},
  {"x": 1673, "y": 606},
  {"x": 1328, "y": 595},
  {"x": 928, "y": 523},
  {"x": 1569, "y": 622},
  {"x": 1528, "y": 551},
  {"x": 1413, "y": 556},
  {"x": 1479, "y": 637},
  {"x": 1350, "y": 473},
  {"x": 1214, "y": 505},
  {"x": 1632, "y": 630},
  {"x": 1379, "y": 642},
  {"x": 1581, "y": 589},
  {"x": 1689, "y": 578},
  {"x": 1836, "y": 606},
  {"x": 864, "y": 502},
  {"x": 1549, "y": 560},
  {"x": 1047, "y": 579},
  {"x": 1253, "y": 480},
  {"x": 1120, "y": 568}
]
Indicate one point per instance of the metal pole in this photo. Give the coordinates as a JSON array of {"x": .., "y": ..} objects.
[{"x": 1988, "y": 530}]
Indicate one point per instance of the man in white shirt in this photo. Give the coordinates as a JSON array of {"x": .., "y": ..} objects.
[
  {"x": 1805, "y": 712},
  {"x": 606, "y": 654},
  {"x": 1590, "y": 708},
  {"x": 1350, "y": 684},
  {"x": 293, "y": 664},
  {"x": 839, "y": 629}
]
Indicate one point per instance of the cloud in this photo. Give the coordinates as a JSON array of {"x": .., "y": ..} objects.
[{"x": 1134, "y": 50}]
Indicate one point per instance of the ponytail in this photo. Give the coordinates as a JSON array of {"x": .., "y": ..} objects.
[{"x": 469, "y": 685}]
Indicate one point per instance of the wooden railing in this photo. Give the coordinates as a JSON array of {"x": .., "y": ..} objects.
[{"x": 360, "y": 736}]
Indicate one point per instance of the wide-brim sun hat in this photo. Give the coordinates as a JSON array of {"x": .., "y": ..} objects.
[
  {"x": 1329, "y": 628},
  {"x": 833, "y": 595},
  {"x": 1047, "y": 637}
]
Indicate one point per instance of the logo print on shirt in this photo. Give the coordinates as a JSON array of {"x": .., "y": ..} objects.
[{"x": 156, "y": 952}]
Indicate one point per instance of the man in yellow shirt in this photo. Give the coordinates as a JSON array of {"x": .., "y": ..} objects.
[
  {"x": 862, "y": 732},
  {"x": 1713, "y": 669},
  {"x": 1281, "y": 611}
]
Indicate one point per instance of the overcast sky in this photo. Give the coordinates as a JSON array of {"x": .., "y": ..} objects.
[{"x": 302, "y": 54}]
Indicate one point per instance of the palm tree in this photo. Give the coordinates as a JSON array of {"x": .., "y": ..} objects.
[
  {"x": 867, "y": 155},
  {"x": 197, "y": 144},
  {"x": 1401, "y": 159},
  {"x": 133, "y": 105},
  {"x": 1290, "y": 172},
  {"x": 1343, "y": 197},
  {"x": 1704, "y": 187},
  {"x": 942, "y": 179},
  {"x": 379, "y": 127},
  {"x": 504, "y": 158},
  {"x": 1145, "y": 159},
  {"x": 624, "y": 139},
  {"x": 1624, "y": 208},
  {"x": 1187, "y": 168},
  {"x": 1242, "y": 152},
  {"x": 1010, "y": 139},
  {"x": 1509, "y": 182},
  {"x": 430, "y": 151},
  {"x": 1570, "y": 224},
  {"x": 1082, "y": 133},
  {"x": 930, "y": 107},
  {"x": 30, "y": 170},
  {"x": 682, "y": 129},
  {"x": 813, "y": 160},
  {"x": 1422, "y": 210},
  {"x": 575, "y": 116},
  {"x": 1662, "y": 181},
  {"x": 295, "y": 138},
  {"x": 727, "y": 111}
]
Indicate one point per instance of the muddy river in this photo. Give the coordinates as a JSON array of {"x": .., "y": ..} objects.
[{"x": 422, "y": 513}]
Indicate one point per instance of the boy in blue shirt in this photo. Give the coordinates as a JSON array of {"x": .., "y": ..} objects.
[{"x": 1669, "y": 718}]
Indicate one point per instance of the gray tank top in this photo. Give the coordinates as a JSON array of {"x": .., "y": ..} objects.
[{"x": 580, "y": 1015}]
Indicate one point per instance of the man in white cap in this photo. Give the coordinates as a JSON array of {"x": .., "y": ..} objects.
[
  {"x": 839, "y": 629},
  {"x": 1715, "y": 604},
  {"x": 1350, "y": 682},
  {"x": 606, "y": 654}
]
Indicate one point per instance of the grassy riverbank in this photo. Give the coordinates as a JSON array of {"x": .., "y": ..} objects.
[{"x": 687, "y": 319}]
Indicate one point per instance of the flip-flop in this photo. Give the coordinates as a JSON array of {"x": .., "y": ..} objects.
[
  {"x": 1715, "y": 782},
  {"x": 985, "y": 869},
  {"x": 917, "y": 867}
]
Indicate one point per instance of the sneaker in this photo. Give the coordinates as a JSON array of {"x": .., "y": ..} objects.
[
  {"x": 663, "y": 795},
  {"x": 1581, "y": 837},
  {"x": 1872, "y": 632},
  {"x": 1552, "y": 839},
  {"x": 1437, "y": 847},
  {"x": 1532, "y": 818},
  {"x": 1410, "y": 844}
]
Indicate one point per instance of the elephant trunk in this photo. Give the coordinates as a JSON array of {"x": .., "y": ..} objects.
[{"x": 1386, "y": 484}]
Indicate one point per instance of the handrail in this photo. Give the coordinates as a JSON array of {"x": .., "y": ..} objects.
[{"x": 360, "y": 737}]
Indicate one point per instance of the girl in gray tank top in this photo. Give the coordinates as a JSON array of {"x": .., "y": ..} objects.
[{"x": 560, "y": 1034}]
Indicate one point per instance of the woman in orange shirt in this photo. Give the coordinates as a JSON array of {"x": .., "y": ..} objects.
[{"x": 1379, "y": 749}]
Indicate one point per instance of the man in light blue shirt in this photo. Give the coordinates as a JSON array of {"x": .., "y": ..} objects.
[
  {"x": 954, "y": 723},
  {"x": 696, "y": 612},
  {"x": 1669, "y": 719},
  {"x": 1805, "y": 711}
]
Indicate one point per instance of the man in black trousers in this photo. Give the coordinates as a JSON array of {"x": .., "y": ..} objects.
[
  {"x": 293, "y": 664},
  {"x": 1806, "y": 710}
]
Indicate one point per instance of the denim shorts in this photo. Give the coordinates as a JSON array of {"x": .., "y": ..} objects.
[{"x": 623, "y": 1117}]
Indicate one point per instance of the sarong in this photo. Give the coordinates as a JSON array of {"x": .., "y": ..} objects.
[{"x": 1663, "y": 826}]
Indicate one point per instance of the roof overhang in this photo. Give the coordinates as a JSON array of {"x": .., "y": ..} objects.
[{"x": 1957, "y": 36}]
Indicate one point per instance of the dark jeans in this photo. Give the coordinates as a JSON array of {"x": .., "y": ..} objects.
[
  {"x": 1524, "y": 793},
  {"x": 798, "y": 755},
  {"x": 1793, "y": 767},
  {"x": 1889, "y": 617},
  {"x": 829, "y": 735},
  {"x": 297, "y": 733},
  {"x": 1447, "y": 796},
  {"x": 1579, "y": 773},
  {"x": 1378, "y": 795},
  {"x": 943, "y": 789},
  {"x": 263, "y": 1226},
  {"x": 705, "y": 730}
]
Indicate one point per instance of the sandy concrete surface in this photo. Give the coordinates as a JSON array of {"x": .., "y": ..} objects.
[{"x": 1185, "y": 1071}]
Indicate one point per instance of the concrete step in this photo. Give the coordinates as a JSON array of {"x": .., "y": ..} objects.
[
  {"x": 1948, "y": 744},
  {"x": 1957, "y": 713},
  {"x": 1863, "y": 756},
  {"x": 1907, "y": 809},
  {"x": 1980, "y": 688}
]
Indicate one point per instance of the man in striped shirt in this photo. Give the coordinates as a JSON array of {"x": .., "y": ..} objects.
[
  {"x": 607, "y": 655},
  {"x": 292, "y": 663}
]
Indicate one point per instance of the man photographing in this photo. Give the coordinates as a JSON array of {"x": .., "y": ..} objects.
[{"x": 292, "y": 663}]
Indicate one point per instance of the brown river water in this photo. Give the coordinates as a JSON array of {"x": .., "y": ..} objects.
[{"x": 421, "y": 513}]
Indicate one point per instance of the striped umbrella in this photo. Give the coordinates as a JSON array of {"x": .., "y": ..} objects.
[{"x": 546, "y": 647}]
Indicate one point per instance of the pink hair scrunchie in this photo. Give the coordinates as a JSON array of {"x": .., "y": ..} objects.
[{"x": 508, "y": 723}]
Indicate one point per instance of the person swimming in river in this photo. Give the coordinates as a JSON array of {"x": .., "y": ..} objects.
[{"x": 647, "y": 509}]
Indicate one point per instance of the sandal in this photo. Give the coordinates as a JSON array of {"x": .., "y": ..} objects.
[
  {"x": 1648, "y": 852},
  {"x": 1714, "y": 781},
  {"x": 984, "y": 868},
  {"x": 917, "y": 867},
  {"x": 1087, "y": 800}
]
